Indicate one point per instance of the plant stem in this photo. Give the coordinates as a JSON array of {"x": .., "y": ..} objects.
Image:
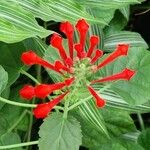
[
  {"x": 86, "y": 99},
  {"x": 29, "y": 76},
  {"x": 140, "y": 121},
  {"x": 17, "y": 103},
  {"x": 19, "y": 145}
]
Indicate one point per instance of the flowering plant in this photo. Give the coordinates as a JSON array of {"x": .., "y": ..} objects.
[
  {"x": 75, "y": 70},
  {"x": 71, "y": 78}
]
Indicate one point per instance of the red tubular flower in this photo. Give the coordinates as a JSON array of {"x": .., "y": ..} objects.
[
  {"x": 80, "y": 53},
  {"x": 122, "y": 49},
  {"x": 68, "y": 29},
  {"x": 69, "y": 62},
  {"x": 31, "y": 58},
  {"x": 82, "y": 28},
  {"x": 59, "y": 66},
  {"x": 99, "y": 101},
  {"x": 43, "y": 90},
  {"x": 126, "y": 74},
  {"x": 68, "y": 82},
  {"x": 56, "y": 41},
  {"x": 27, "y": 92},
  {"x": 98, "y": 54},
  {"x": 42, "y": 110},
  {"x": 94, "y": 40}
]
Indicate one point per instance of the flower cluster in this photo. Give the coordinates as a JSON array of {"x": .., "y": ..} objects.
[{"x": 75, "y": 67}]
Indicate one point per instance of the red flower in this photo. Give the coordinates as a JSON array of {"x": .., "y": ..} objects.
[
  {"x": 27, "y": 92},
  {"x": 42, "y": 110},
  {"x": 76, "y": 67}
]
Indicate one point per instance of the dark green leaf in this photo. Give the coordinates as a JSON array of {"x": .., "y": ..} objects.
[{"x": 144, "y": 139}]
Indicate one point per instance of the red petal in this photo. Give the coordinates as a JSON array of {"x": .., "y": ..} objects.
[
  {"x": 69, "y": 62},
  {"x": 94, "y": 40},
  {"x": 42, "y": 110},
  {"x": 126, "y": 74},
  {"x": 98, "y": 54},
  {"x": 122, "y": 50},
  {"x": 82, "y": 28},
  {"x": 60, "y": 66},
  {"x": 67, "y": 28},
  {"x": 80, "y": 53},
  {"x": 69, "y": 81},
  {"x": 29, "y": 58},
  {"x": 43, "y": 90},
  {"x": 56, "y": 41},
  {"x": 99, "y": 101},
  {"x": 27, "y": 92}
]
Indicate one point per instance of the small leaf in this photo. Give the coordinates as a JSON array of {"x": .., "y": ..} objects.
[{"x": 58, "y": 133}]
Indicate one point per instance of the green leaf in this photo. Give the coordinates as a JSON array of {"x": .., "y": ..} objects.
[
  {"x": 132, "y": 38},
  {"x": 144, "y": 139},
  {"x": 117, "y": 121},
  {"x": 58, "y": 133},
  {"x": 90, "y": 114},
  {"x": 116, "y": 24},
  {"x": 118, "y": 144},
  {"x": 104, "y": 15},
  {"x": 7, "y": 110},
  {"x": 10, "y": 138},
  {"x": 58, "y": 10},
  {"x": 125, "y": 11},
  {"x": 135, "y": 91},
  {"x": 17, "y": 24},
  {"x": 10, "y": 57},
  {"x": 105, "y": 4},
  {"x": 3, "y": 79}
]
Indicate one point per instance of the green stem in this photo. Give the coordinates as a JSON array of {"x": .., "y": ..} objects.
[
  {"x": 17, "y": 103},
  {"x": 29, "y": 76},
  {"x": 140, "y": 121},
  {"x": 19, "y": 145},
  {"x": 66, "y": 109},
  {"x": 86, "y": 99}
]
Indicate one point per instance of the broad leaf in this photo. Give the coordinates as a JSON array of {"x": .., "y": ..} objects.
[
  {"x": 58, "y": 133},
  {"x": 132, "y": 38},
  {"x": 9, "y": 139},
  {"x": 105, "y": 4},
  {"x": 58, "y": 10},
  {"x": 17, "y": 24},
  {"x": 135, "y": 91},
  {"x": 10, "y": 57},
  {"x": 117, "y": 121}
]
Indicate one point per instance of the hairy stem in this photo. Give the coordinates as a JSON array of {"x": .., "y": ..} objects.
[
  {"x": 19, "y": 145},
  {"x": 11, "y": 102}
]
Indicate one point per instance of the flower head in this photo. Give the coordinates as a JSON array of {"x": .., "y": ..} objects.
[{"x": 75, "y": 67}]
